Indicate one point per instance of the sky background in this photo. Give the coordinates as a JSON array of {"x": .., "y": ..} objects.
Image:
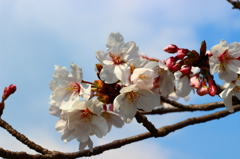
[{"x": 36, "y": 35}]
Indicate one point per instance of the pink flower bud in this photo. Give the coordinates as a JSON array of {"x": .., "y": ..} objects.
[
  {"x": 186, "y": 69},
  {"x": 181, "y": 53},
  {"x": 170, "y": 62},
  {"x": 171, "y": 49},
  {"x": 212, "y": 88},
  {"x": 209, "y": 53},
  {"x": 195, "y": 82},
  {"x": 8, "y": 91},
  {"x": 203, "y": 89}
]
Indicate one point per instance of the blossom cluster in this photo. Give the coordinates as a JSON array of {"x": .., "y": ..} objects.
[{"x": 129, "y": 81}]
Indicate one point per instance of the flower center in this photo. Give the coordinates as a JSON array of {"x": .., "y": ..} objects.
[
  {"x": 106, "y": 116},
  {"x": 224, "y": 58},
  {"x": 236, "y": 89},
  {"x": 159, "y": 71},
  {"x": 117, "y": 58},
  {"x": 142, "y": 76},
  {"x": 132, "y": 97},
  {"x": 74, "y": 87},
  {"x": 86, "y": 115}
]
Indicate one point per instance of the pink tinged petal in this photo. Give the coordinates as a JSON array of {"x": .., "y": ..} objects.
[
  {"x": 88, "y": 143},
  {"x": 76, "y": 72},
  {"x": 227, "y": 76},
  {"x": 99, "y": 126},
  {"x": 82, "y": 130},
  {"x": 128, "y": 89},
  {"x": 107, "y": 74},
  {"x": 123, "y": 73},
  {"x": 61, "y": 125},
  {"x": 128, "y": 111},
  {"x": 85, "y": 91},
  {"x": 114, "y": 42},
  {"x": 228, "y": 103},
  {"x": 68, "y": 135}
]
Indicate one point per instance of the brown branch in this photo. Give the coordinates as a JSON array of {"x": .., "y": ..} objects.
[
  {"x": 236, "y": 4},
  {"x": 22, "y": 138},
  {"x": 185, "y": 108},
  {"x": 163, "y": 131},
  {"x": 147, "y": 124}
]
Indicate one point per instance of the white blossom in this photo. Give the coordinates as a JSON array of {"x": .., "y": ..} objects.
[{"x": 225, "y": 60}]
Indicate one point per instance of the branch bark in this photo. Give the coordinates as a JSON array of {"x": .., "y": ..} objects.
[{"x": 163, "y": 131}]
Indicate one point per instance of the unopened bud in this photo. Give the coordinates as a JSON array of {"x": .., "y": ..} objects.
[
  {"x": 8, "y": 91},
  {"x": 170, "y": 62},
  {"x": 171, "y": 49},
  {"x": 203, "y": 89},
  {"x": 195, "y": 82},
  {"x": 181, "y": 53},
  {"x": 186, "y": 69},
  {"x": 212, "y": 88},
  {"x": 209, "y": 53}
]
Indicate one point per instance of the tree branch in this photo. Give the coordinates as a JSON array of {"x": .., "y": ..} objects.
[
  {"x": 163, "y": 131},
  {"x": 236, "y": 4},
  {"x": 22, "y": 138}
]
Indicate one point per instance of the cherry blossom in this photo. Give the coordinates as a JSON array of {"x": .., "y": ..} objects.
[
  {"x": 232, "y": 88},
  {"x": 114, "y": 61},
  {"x": 225, "y": 60},
  {"x": 67, "y": 86},
  {"x": 132, "y": 98}
]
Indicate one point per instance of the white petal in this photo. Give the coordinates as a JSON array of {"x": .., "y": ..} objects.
[
  {"x": 107, "y": 74},
  {"x": 228, "y": 91},
  {"x": 82, "y": 130},
  {"x": 88, "y": 143},
  {"x": 227, "y": 76},
  {"x": 128, "y": 111},
  {"x": 68, "y": 135},
  {"x": 99, "y": 126},
  {"x": 114, "y": 42},
  {"x": 228, "y": 103},
  {"x": 85, "y": 90},
  {"x": 76, "y": 72},
  {"x": 61, "y": 125},
  {"x": 123, "y": 73}
]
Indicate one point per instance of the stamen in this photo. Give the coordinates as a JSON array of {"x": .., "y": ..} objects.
[{"x": 117, "y": 58}]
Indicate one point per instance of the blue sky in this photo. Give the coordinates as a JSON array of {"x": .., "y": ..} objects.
[{"x": 36, "y": 35}]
